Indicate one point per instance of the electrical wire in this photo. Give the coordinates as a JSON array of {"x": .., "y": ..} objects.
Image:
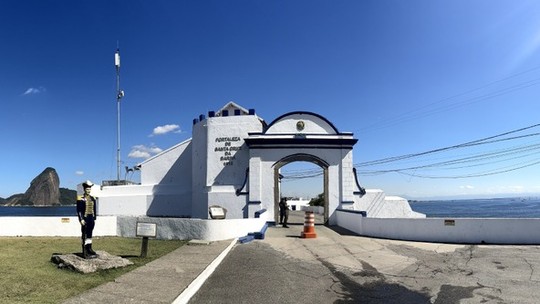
[
  {"x": 486, "y": 140},
  {"x": 471, "y": 160}
]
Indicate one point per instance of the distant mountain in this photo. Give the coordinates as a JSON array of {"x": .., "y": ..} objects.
[
  {"x": 16, "y": 200},
  {"x": 68, "y": 196},
  {"x": 44, "y": 190}
]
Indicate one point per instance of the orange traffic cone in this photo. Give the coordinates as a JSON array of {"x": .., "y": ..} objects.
[{"x": 309, "y": 226}]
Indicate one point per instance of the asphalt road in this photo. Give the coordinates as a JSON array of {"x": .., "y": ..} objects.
[{"x": 341, "y": 268}]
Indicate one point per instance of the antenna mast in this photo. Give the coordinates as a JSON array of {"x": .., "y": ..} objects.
[{"x": 119, "y": 95}]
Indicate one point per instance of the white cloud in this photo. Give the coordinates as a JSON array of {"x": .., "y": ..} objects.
[
  {"x": 32, "y": 91},
  {"x": 142, "y": 151},
  {"x": 160, "y": 130},
  {"x": 79, "y": 172},
  {"x": 466, "y": 187},
  {"x": 138, "y": 154}
]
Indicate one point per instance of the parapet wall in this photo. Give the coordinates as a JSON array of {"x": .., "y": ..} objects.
[
  {"x": 53, "y": 226},
  {"x": 125, "y": 226},
  {"x": 444, "y": 230},
  {"x": 377, "y": 204},
  {"x": 192, "y": 229}
]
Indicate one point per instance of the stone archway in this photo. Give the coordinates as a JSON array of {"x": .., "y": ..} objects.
[
  {"x": 300, "y": 136},
  {"x": 294, "y": 158}
]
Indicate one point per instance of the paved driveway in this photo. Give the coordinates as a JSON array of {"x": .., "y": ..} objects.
[{"x": 341, "y": 268}]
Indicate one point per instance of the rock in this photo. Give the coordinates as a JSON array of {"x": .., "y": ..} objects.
[
  {"x": 44, "y": 190},
  {"x": 103, "y": 261}
]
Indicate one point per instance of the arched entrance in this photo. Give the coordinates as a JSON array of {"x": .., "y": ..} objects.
[
  {"x": 300, "y": 136},
  {"x": 294, "y": 158}
]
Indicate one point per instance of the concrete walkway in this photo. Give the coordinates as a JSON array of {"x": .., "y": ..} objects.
[
  {"x": 336, "y": 267},
  {"x": 173, "y": 277}
]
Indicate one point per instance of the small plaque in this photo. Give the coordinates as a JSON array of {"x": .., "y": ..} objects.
[
  {"x": 449, "y": 222},
  {"x": 147, "y": 229},
  {"x": 65, "y": 220},
  {"x": 217, "y": 212}
]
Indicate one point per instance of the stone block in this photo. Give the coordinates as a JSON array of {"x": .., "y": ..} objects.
[{"x": 103, "y": 261}]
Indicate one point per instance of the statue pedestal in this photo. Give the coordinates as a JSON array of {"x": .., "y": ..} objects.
[{"x": 75, "y": 262}]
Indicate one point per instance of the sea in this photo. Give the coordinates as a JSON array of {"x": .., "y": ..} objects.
[
  {"x": 517, "y": 207},
  {"x": 38, "y": 211}
]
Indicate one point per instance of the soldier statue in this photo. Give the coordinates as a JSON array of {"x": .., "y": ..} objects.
[{"x": 86, "y": 212}]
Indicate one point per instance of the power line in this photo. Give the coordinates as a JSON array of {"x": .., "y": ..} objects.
[
  {"x": 474, "y": 160},
  {"x": 482, "y": 141},
  {"x": 481, "y": 159},
  {"x": 493, "y": 172}
]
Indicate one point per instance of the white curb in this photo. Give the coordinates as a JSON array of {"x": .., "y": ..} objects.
[{"x": 192, "y": 288}]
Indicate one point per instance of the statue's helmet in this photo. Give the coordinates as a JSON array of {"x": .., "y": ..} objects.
[{"x": 87, "y": 184}]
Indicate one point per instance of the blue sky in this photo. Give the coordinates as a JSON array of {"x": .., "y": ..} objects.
[{"x": 404, "y": 76}]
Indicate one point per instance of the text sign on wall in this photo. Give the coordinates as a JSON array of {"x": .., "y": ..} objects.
[
  {"x": 228, "y": 149},
  {"x": 217, "y": 212},
  {"x": 146, "y": 229}
]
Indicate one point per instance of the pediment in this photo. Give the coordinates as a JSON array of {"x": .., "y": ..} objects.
[{"x": 301, "y": 122}]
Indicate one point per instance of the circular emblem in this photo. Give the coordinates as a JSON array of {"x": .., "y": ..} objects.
[{"x": 300, "y": 125}]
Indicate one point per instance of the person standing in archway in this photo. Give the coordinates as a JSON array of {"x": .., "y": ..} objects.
[
  {"x": 86, "y": 212},
  {"x": 283, "y": 212}
]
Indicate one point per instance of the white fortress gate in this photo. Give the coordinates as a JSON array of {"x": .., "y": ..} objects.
[
  {"x": 233, "y": 160},
  {"x": 300, "y": 136}
]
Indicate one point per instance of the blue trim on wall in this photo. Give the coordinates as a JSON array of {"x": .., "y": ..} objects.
[
  {"x": 362, "y": 190},
  {"x": 258, "y": 213},
  {"x": 363, "y": 213},
  {"x": 263, "y": 143},
  {"x": 239, "y": 190}
]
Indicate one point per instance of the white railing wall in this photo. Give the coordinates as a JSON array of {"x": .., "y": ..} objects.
[
  {"x": 444, "y": 230},
  {"x": 125, "y": 226},
  {"x": 376, "y": 204},
  {"x": 53, "y": 226},
  {"x": 192, "y": 229}
]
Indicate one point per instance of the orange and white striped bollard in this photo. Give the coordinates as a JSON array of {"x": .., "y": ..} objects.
[{"x": 309, "y": 226}]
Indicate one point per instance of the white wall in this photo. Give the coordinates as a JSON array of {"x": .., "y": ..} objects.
[
  {"x": 125, "y": 226},
  {"x": 376, "y": 204},
  {"x": 199, "y": 198},
  {"x": 464, "y": 230},
  {"x": 165, "y": 188},
  {"x": 171, "y": 166},
  {"x": 137, "y": 200},
  {"x": 193, "y": 229},
  {"x": 53, "y": 226},
  {"x": 220, "y": 161},
  {"x": 122, "y": 200}
]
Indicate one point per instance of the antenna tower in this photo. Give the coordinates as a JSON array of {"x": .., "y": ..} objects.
[{"x": 119, "y": 95}]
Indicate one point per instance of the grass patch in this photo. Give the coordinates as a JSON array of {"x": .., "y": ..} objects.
[{"x": 28, "y": 276}]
